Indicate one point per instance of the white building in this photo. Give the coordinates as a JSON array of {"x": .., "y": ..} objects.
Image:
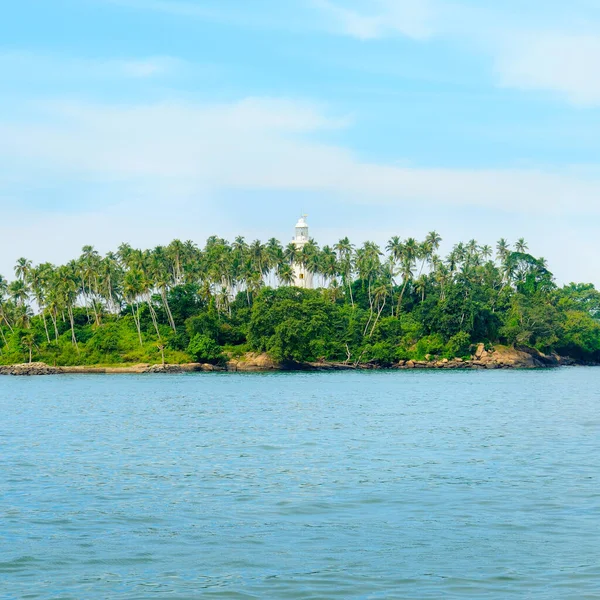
[{"x": 302, "y": 277}]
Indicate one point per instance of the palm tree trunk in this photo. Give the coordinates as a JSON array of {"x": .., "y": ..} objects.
[
  {"x": 163, "y": 295},
  {"x": 96, "y": 318},
  {"x": 72, "y": 320},
  {"x": 85, "y": 301},
  {"x": 401, "y": 295},
  {"x": 136, "y": 320},
  {"x": 45, "y": 325},
  {"x": 377, "y": 319},
  {"x": 53, "y": 316},
  {"x": 153, "y": 315},
  {"x": 7, "y": 323},
  {"x": 370, "y": 310}
]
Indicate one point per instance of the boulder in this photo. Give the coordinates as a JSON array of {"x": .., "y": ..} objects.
[
  {"x": 27, "y": 369},
  {"x": 253, "y": 362}
]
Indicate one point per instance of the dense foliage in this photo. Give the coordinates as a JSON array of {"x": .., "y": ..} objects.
[{"x": 180, "y": 303}]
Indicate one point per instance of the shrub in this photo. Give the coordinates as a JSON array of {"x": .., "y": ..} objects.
[
  {"x": 382, "y": 353},
  {"x": 430, "y": 344},
  {"x": 458, "y": 345},
  {"x": 205, "y": 350}
]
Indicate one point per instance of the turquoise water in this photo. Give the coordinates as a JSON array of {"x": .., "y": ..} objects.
[{"x": 411, "y": 485}]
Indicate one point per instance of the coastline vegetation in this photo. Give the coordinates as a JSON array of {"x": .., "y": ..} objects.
[{"x": 179, "y": 303}]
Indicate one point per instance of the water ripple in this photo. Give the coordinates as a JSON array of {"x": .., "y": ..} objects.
[{"x": 338, "y": 485}]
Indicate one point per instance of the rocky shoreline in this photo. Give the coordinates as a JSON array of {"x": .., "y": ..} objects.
[{"x": 499, "y": 358}]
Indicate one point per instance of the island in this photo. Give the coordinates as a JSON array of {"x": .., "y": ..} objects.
[{"x": 239, "y": 306}]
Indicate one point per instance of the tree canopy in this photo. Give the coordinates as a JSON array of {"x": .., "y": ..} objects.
[{"x": 181, "y": 303}]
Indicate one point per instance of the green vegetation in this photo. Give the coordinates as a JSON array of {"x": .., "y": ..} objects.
[{"x": 180, "y": 303}]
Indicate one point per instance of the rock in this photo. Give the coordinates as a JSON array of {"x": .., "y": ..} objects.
[
  {"x": 186, "y": 368},
  {"x": 481, "y": 352},
  {"x": 445, "y": 361},
  {"x": 566, "y": 361},
  {"x": 410, "y": 364},
  {"x": 27, "y": 369},
  {"x": 253, "y": 362},
  {"x": 211, "y": 368}
]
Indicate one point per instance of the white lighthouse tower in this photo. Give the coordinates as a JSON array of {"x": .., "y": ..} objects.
[{"x": 302, "y": 277}]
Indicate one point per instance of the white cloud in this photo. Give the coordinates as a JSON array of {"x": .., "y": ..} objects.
[
  {"x": 147, "y": 68},
  {"x": 380, "y": 18},
  {"x": 531, "y": 47},
  {"x": 535, "y": 46},
  {"x": 568, "y": 64},
  {"x": 48, "y": 67},
  {"x": 168, "y": 164},
  {"x": 265, "y": 144}
]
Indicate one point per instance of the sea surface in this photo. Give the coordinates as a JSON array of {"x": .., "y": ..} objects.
[{"x": 408, "y": 485}]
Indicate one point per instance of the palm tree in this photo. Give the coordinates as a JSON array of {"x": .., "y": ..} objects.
[
  {"x": 408, "y": 258},
  {"x": 502, "y": 249},
  {"x": 328, "y": 264},
  {"x": 258, "y": 258},
  {"x": 428, "y": 247},
  {"x": 19, "y": 292},
  {"x": 133, "y": 286},
  {"x": 110, "y": 275},
  {"x": 345, "y": 251},
  {"x": 88, "y": 268},
  {"x": 192, "y": 257},
  {"x": 3, "y": 317},
  {"x": 421, "y": 286},
  {"x": 162, "y": 278},
  {"x": 22, "y": 268},
  {"x": 395, "y": 247},
  {"x": 38, "y": 279},
  {"x": 176, "y": 251},
  {"x": 28, "y": 341},
  {"x": 67, "y": 292},
  {"x": 309, "y": 257},
  {"x": 433, "y": 241},
  {"x": 380, "y": 294},
  {"x": 285, "y": 274},
  {"x": 274, "y": 255},
  {"x": 369, "y": 271},
  {"x": 521, "y": 245}
]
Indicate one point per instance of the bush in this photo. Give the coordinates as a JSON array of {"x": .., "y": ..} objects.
[
  {"x": 430, "y": 344},
  {"x": 382, "y": 353},
  {"x": 205, "y": 350},
  {"x": 106, "y": 339},
  {"x": 206, "y": 324},
  {"x": 458, "y": 345}
]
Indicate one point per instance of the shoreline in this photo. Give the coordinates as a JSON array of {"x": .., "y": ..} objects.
[{"x": 499, "y": 358}]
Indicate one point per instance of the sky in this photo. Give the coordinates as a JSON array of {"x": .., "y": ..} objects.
[{"x": 142, "y": 121}]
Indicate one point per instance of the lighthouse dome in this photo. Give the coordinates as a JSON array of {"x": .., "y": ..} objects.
[{"x": 301, "y": 222}]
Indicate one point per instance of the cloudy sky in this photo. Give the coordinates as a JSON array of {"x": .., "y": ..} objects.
[{"x": 148, "y": 120}]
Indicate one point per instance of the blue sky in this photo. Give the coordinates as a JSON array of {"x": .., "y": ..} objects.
[{"x": 146, "y": 120}]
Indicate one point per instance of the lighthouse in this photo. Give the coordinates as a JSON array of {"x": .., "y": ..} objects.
[{"x": 302, "y": 277}]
